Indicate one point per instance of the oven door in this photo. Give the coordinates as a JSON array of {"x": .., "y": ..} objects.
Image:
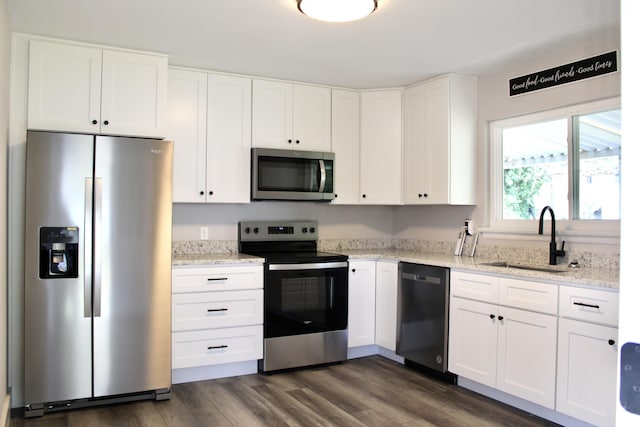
[{"x": 305, "y": 298}]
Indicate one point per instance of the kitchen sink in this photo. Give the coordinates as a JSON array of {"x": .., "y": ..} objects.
[{"x": 546, "y": 269}]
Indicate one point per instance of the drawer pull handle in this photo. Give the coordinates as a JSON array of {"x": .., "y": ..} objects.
[
  {"x": 217, "y": 279},
  {"x": 212, "y": 310},
  {"x": 582, "y": 304},
  {"x": 216, "y": 347}
]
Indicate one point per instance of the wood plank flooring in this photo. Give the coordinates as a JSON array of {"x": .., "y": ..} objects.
[{"x": 371, "y": 391}]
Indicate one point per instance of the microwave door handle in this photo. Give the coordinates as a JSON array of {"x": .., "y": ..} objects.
[{"x": 323, "y": 176}]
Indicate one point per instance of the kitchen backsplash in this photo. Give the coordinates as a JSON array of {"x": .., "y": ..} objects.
[{"x": 487, "y": 251}]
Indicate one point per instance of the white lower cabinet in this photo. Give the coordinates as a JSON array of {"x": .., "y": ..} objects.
[
  {"x": 509, "y": 348},
  {"x": 217, "y": 315},
  {"x": 362, "y": 303},
  {"x": 386, "y": 303},
  {"x": 587, "y": 355}
]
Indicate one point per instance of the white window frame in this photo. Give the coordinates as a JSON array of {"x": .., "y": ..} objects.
[{"x": 596, "y": 231}]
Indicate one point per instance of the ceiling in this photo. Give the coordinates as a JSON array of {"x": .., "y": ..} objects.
[{"x": 403, "y": 42}]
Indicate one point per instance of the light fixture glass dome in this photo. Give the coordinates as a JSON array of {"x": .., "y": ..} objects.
[{"x": 337, "y": 10}]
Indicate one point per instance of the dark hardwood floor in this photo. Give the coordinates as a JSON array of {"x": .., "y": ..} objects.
[{"x": 371, "y": 391}]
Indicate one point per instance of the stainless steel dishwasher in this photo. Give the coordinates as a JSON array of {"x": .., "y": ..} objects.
[{"x": 423, "y": 315}]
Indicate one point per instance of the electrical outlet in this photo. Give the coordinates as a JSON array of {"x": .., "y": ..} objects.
[{"x": 204, "y": 233}]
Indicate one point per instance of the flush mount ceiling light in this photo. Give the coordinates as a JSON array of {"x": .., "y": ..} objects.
[{"x": 337, "y": 10}]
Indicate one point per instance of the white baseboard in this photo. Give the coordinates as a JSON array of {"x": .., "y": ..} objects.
[{"x": 211, "y": 372}]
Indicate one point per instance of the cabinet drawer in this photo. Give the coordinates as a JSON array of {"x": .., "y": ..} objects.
[
  {"x": 222, "y": 278},
  {"x": 591, "y": 305},
  {"x": 475, "y": 286},
  {"x": 534, "y": 296},
  {"x": 216, "y": 346},
  {"x": 216, "y": 310}
]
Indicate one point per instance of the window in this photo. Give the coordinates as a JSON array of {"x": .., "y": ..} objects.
[{"x": 568, "y": 159}]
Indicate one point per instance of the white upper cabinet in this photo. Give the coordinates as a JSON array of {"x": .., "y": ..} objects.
[
  {"x": 187, "y": 128},
  {"x": 75, "y": 88},
  {"x": 381, "y": 147},
  {"x": 345, "y": 143},
  {"x": 210, "y": 123},
  {"x": 291, "y": 116},
  {"x": 439, "y": 141}
]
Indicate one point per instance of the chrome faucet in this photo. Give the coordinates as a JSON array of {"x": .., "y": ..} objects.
[{"x": 554, "y": 253}]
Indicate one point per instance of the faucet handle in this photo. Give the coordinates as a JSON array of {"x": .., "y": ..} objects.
[{"x": 561, "y": 251}]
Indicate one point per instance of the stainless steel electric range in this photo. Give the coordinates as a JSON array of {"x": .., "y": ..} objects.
[{"x": 305, "y": 294}]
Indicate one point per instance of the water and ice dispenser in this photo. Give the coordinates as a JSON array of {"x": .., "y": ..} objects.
[{"x": 58, "y": 252}]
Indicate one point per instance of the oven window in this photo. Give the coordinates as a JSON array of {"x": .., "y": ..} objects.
[{"x": 305, "y": 301}]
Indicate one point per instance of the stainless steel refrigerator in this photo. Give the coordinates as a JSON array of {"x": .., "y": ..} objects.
[{"x": 97, "y": 270}]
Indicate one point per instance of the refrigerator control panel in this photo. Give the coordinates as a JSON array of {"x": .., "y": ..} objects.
[{"x": 58, "y": 252}]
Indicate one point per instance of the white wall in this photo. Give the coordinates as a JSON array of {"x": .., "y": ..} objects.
[
  {"x": 442, "y": 223},
  {"x": 335, "y": 222},
  {"x": 5, "y": 43}
]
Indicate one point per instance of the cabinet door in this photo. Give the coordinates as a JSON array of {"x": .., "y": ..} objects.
[
  {"x": 187, "y": 128},
  {"x": 345, "y": 143},
  {"x": 527, "y": 355},
  {"x": 272, "y": 119},
  {"x": 386, "y": 304},
  {"x": 381, "y": 147},
  {"x": 473, "y": 339},
  {"x": 312, "y": 118},
  {"x": 64, "y": 87},
  {"x": 587, "y": 357},
  {"x": 414, "y": 146},
  {"x": 228, "y": 139},
  {"x": 134, "y": 94},
  {"x": 426, "y": 143},
  {"x": 362, "y": 303}
]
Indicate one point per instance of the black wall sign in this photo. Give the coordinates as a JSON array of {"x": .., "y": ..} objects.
[{"x": 579, "y": 70}]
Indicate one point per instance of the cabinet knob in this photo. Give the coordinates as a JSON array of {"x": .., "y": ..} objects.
[
  {"x": 202, "y": 193},
  {"x": 353, "y": 270},
  {"x": 500, "y": 318},
  {"x": 419, "y": 195},
  {"x": 211, "y": 193},
  {"x": 335, "y": 196},
  {"x": 94, "y": 122},
  {"x": 106, "y": 122},
  {"x": 492, "y": 316},
  {"x": 425, "y": 195},
  {"x": 289, "y": 141},
  {"x": 611, "y": 342},
  {"x": 364, "y": 196},
  {"x": 297, "y": 141}
]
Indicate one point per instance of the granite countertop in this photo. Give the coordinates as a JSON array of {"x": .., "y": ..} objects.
[
  {"x": 588, "y": 277},
  {"x": 202, "y": 259}
]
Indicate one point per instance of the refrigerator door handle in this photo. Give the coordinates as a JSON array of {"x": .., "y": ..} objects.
[
  {"x": 88, "y": 243},
  {"x": 97, "y": 248}
]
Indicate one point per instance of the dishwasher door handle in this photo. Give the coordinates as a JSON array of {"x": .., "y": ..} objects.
[{"x": 418, "y": 278}]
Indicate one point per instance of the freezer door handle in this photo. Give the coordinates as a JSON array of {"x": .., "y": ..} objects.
[
  {"x": 97, "y": 251},
  {"x": 88, "y": 243}
]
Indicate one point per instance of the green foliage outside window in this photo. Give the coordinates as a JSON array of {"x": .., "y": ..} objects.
[{"x": 521, "y": 186}]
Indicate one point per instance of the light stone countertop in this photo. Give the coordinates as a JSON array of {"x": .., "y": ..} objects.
[
  {"x": 205, "y": 259},
  {"x": 587, "y": 277}
]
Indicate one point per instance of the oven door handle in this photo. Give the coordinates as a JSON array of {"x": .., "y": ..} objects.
[{"x": 308, "y": 266}]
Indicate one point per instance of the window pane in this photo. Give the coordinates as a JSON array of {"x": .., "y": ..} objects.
[
  {"x": 599, "y": 168},
  {"x": 535, "y": 170}
]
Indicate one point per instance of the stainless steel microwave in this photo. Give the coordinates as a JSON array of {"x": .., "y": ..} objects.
[{"x": 291, "y": 175}]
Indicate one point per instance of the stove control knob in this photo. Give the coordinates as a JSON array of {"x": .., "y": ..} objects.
[
  {"x": 304, "y": 229},
  {"x": 247, "y": 230},
  {"x": 312, "y": 230},
  {"x": 256, "y": 230}
]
